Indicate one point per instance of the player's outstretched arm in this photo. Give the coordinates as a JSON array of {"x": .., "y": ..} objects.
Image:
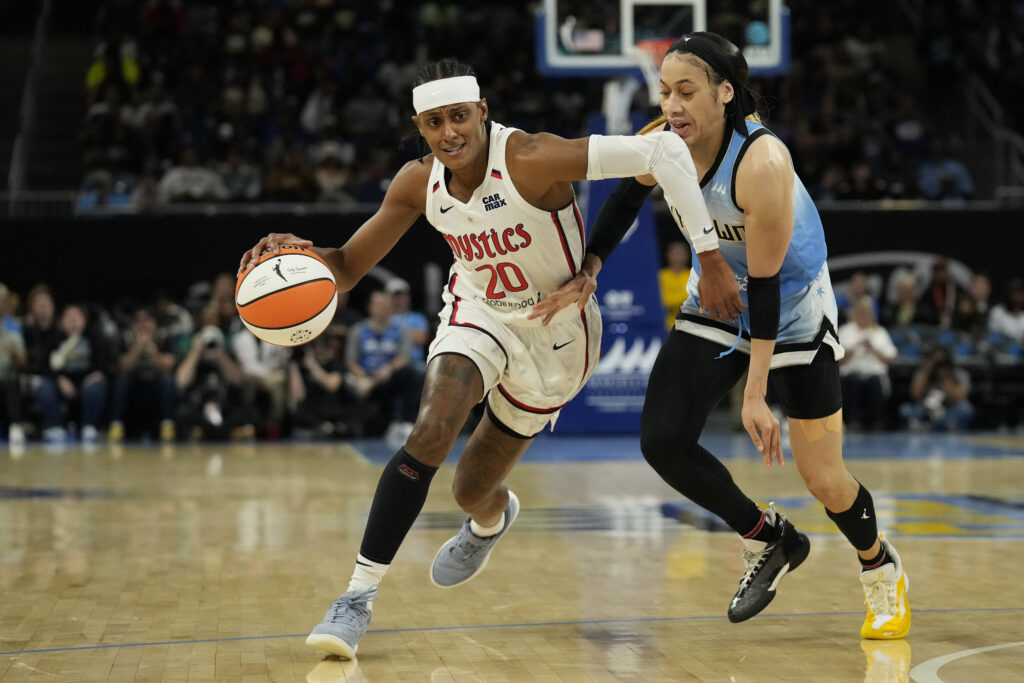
[
  {"x": 404, "y": 202},
  {"x": 539, "y": 161},
  {"x": 545, "y": 159},
  {"x": 719, "y": 293}
]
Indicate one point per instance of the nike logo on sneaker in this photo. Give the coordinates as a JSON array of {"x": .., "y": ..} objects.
[
  {"x": 444, "y": 210},
  {"x": 559, "y": 346}
]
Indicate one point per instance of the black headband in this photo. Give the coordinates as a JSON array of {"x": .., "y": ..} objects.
[{"x": 714, "y": 55}]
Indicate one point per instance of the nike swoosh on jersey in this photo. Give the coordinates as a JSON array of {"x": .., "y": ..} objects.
[
  {"x": 707, "y": 231},
  {"x": 559, "y": 346},
  {"x": 444, "y": 210}
]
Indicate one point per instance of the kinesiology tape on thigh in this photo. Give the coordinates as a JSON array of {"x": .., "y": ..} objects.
[{"x": 816, "y": 429}]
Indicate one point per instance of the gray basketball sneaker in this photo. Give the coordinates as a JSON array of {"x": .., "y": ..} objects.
[
  {"x": 465, "y": 555},
  {"x": 766, "y": 564},
  {"x": 344, "y": 624}
]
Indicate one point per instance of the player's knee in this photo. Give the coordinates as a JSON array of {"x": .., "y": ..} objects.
[
  {"x": 827, "y": 488},
  {"x": 663, "y": 446},
  {"x": 468, "y": 496},
  {"x": 432, "y": 437}
]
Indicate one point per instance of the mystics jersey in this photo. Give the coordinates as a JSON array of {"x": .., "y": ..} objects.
[{"x": 508, "y": 254}]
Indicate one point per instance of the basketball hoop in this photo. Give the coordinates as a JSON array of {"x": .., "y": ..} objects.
[{"x": 649, "y": 53}]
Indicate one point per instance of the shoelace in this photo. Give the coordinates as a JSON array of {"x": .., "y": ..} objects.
[
  {"x": 880, "y": 595},
  {"x": 467, "y": 546},
  {"x": 754, "y": 562},
  {"x": 349, "y": 607}
]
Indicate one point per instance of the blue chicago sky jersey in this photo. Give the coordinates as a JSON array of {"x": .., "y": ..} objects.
[
  {"x": 808, "y": 307},
  {"x": 807, "y": 251}
]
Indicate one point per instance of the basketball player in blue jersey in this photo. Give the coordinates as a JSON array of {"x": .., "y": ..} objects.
[
  {"x": 771, "y": 236},
  {"x": 504, "y": 202}
]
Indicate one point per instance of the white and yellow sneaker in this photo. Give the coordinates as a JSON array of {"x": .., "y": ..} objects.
[{"x": 885, "y": 592}]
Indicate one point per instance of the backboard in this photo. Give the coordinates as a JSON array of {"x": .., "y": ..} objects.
[{"x": 599, "y": 37}]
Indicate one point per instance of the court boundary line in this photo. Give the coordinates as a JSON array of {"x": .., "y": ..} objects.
[
  {"x": 928, "y": 671},
  {"x": 477, "y": 627}
]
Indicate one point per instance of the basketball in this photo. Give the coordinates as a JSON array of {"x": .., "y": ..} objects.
[{"x": 287, "y": 298}]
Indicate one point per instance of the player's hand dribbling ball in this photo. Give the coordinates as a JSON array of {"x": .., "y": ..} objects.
[{"x": 287, "y": 298}]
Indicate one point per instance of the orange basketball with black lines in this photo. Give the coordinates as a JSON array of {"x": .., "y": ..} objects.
[{"x": 287, "y": 298}]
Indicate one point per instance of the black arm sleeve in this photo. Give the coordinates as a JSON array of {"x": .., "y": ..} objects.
[
  {"x": 616, "y": 215},
  {"x": 764, "y": 305}
]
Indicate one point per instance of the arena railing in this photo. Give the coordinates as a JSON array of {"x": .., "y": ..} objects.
[{"x": 987, "y": 124}]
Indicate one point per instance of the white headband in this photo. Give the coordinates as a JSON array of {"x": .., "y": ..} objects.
[{"x": 445, "y": 91}]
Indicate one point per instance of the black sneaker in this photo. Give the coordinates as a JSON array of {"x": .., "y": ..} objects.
[{"x": 766, "y": 564}]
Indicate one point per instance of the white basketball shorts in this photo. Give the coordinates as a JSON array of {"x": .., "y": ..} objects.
[{"x": 529, "y": 373}]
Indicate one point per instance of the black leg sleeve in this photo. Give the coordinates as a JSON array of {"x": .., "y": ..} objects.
[
  {"x": 401, "y": 492},
  {"x": 858, "y": 523},
  {"x": 686, "y": 383}
]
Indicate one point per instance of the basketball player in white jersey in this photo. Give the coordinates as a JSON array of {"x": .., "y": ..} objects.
[{"x": 504, "y": 202}]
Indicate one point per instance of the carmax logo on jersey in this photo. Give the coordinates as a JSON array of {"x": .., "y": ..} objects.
[{"x": 638, "y": 358}]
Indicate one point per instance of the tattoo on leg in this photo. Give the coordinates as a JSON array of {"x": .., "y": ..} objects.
[
  {"x": 489, "y": 456},
  {"x": 452, "y": 387},
  {"x": 450, "y": 372}
]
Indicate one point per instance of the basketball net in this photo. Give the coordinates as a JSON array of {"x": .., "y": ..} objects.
[
  {"x": 649, "y": 54},
  {"x": 618, "y": 93}
]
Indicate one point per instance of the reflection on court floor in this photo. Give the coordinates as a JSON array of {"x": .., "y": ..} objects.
[{"x": 210, "y": 563}]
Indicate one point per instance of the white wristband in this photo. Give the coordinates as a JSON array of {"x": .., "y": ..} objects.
[{"x": 664, "y": 155}]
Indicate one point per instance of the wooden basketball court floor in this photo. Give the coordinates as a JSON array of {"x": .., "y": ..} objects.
[{"x": 211, "y": 563}]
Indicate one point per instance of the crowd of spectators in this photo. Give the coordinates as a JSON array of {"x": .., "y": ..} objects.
[
  {"x": 981, "y": 38},
  {"x": 924, "y": 349},
  {"x": 937, "y": 352},
  {"x": 931, "y": 353},
  {"x": 287, "y": 100},
  {"x": 308, "y": 100},
  {"x": 169, "y": 371},
  {"x": 866, "y": 107}
]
